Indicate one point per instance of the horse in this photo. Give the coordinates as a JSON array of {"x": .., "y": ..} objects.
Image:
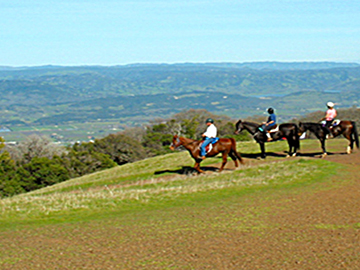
[
  {"x": 346, "y": 128},
  {"x": 286, "y": 130},
  {"x": 226, "y": 146}
]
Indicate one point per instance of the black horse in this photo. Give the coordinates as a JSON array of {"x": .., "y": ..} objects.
[
  {"x": 346, "y": 128},
  {"x": 286, "y": 130}
]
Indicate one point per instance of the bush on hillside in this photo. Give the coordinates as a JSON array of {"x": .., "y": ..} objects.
[
  {"x": 39, "y": 173},
  {"x": 82, "y": 159},
  {"x": 34, "y": 146}
]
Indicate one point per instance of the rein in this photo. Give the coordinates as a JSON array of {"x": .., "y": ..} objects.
[{"x": 179, "y": 142}]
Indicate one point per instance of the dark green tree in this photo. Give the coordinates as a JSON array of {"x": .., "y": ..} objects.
[
  {"x": 41, "y": 172},
  {"x": 120, "y": 148},
  {"x": 83, "y": 159}
]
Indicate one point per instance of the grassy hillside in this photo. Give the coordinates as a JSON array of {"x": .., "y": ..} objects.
[
  {"x": 155, "y": 214},
  {"x": 158, "y": 183}
]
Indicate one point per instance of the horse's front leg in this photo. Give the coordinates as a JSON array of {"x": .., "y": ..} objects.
[
  {"x": 197, "y": 167},
  {"x": 262, "y": 148},
  {"x": 290, "y": 148},
  {"x": 224, "y": 160},
  {"x": 324, "y": 154}
]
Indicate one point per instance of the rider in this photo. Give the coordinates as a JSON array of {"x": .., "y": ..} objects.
[
  {"x": 269, "y": 124},
  {"x": 209, "y": 136},
  {"x": 330, "y": 116}
]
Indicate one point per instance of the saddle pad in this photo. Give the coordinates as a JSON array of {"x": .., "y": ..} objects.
[
  {"x": 276, "y": 129},
  {"x": 334, "y": 123}
]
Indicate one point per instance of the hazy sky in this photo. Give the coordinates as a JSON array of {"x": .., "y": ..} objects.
[{"x": 117, "y": 32}]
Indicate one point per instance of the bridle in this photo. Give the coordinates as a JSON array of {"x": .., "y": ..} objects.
[{"x": 178, "y": 142}]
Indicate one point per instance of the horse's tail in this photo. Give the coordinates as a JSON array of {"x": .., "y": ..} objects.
[
  {"x": 233, "y": 149},
  {"x": 356, "y": 135}
]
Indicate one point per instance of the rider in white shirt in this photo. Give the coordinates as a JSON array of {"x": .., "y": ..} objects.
[{"x": 209, "y": 136}]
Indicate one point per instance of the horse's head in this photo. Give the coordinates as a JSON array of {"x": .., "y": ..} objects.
[
  {"x": 239, "y": 127},
  {"x": 301, "y": 129},
  {"x": 175, "y": 142}
]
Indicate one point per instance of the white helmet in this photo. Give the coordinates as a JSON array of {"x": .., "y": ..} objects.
[{"x": 330, "y": 104}]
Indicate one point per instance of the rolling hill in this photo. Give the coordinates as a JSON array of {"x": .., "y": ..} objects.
[{"x": 119, "y": 96}]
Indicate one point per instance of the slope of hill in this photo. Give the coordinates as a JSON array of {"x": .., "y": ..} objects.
[{"x": 154, "y": 214}]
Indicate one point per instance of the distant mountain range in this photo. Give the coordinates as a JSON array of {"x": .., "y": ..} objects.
[{"x": 58, "y": 94}]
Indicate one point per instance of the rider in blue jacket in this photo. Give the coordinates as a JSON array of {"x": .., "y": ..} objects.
[{"x": 269, "y": 124}]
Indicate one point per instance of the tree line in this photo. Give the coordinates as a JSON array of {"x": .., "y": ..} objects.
[{"x": 37, "y": 162}]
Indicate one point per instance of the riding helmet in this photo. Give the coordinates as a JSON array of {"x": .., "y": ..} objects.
[
  {"x": 330, "y": 104},
  {"x": 209, "y": 120},
  {"x": 270, "y": 110}
]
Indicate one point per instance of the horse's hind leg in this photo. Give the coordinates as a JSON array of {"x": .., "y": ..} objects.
[
  {"x": 351, "y": 144},
  {"x": 224, "y": 160},
  {"x": 233, "y": 157}
]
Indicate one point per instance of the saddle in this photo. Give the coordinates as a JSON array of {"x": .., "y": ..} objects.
[
  {"x": 209, "y": 147},
  {"x": 333, "y": 124},
  {"x": 275, "y": 128}
]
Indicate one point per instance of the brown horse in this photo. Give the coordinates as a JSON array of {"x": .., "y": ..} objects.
[
  {"x": 345, "y": 128},
  {"x": 226, "y": 146}
]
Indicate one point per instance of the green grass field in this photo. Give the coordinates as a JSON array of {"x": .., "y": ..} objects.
[
  {"x": 149, "y": 209},
  {"x": 160, "y": 183}
]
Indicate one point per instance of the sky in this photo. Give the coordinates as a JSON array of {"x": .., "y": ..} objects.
[{"x": 120, "y": 32}]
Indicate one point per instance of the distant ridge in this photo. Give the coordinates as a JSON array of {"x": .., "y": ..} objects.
[
  {"x": 270, "y": 65},
  {"x": 46, "y": 95},
  {"x": 287, "y": 65}
]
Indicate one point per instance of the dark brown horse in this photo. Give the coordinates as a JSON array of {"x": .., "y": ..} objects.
[
  {"x": 345, "y": 128},
  {"x": 286, "y": 130},
  {"x": 225, "y": 146}
]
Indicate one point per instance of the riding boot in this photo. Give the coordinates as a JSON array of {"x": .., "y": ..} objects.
[
  {"x": 268, "y": 135},
  {"x": 329, "y": 133}
]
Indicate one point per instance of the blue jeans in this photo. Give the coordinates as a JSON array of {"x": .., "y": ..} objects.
[{"x": 204, "y": 144}]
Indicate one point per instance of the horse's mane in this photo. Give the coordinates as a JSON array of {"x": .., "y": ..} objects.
[
  {"x": 188, "y": 139},
  {"x": 251, "y": 123},
  {"x": 313, "y": 124}
]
